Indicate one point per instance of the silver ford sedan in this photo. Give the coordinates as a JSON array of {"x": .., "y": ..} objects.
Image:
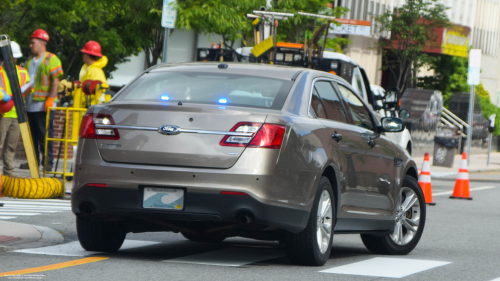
[{"x": 258, "y": 151}]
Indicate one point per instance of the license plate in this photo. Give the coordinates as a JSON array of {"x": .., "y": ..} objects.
[{"x": 163, "y": 198}]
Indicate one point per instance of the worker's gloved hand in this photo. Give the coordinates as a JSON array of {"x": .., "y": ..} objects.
[
  {"x": 49, "y": 103},
  {"x": 5, "y": 96}
]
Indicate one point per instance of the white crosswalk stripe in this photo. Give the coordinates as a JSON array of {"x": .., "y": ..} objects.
[{"x": 14, "y": 208}]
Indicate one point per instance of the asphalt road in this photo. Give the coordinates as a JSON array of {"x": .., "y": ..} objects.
[{"x": 461, "y": 234}]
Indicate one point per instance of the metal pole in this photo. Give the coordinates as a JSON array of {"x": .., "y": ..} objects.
[
  {"x": 489, "y": 149},
  {"x": 470, "y": 121},
  {"x": 165, "y": 45}
]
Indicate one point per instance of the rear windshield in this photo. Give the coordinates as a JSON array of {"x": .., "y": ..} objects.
[{"x": 208, "y": 88}]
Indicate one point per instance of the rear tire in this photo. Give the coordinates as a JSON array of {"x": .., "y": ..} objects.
[
  {"x": 303, "y": 248},
  {"x": 385, "y": 245},
  {"x": 214, "y": 238},
  {"x": 100, "y": 236}
]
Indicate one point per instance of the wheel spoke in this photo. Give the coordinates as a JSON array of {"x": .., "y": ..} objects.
[
  {"x": 395, "y": 234},
  {"x": 410, "y": 204},
  {"x": 412, "y": 222},
  {"x": 408, "y": 226},
  {"x": 328, "y": 227},
  {"x": 328, "y": 208},
  {"x": 324, "y": 232},
  {"x": 407, "y": 201},
  {"x": 400, "y": 234}
]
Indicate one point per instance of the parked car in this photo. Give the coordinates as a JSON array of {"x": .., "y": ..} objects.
[{"x": 259, "y": 151}]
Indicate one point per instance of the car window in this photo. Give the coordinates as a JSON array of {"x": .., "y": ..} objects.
[
  {"x": 333, "y": 106},
  {"x": 357, "y": 83},
  {"x": 317, "y": 105},
  {"x": 208, "y": 88},
  {"x": 359, "y": 113}
]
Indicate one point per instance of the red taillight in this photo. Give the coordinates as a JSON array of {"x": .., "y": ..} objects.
[
  {"x": 233, "y": 193},
  {"x": 97, "y": 184},
  {"x": 269, "y": 136},
  {"x": 264, "y": 135},
  {"x": 89, "y": 131}
]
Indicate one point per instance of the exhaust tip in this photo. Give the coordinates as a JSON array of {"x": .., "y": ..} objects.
[
  {"x": 87, "y": 208},
  {"x": 245, "y": 217}
]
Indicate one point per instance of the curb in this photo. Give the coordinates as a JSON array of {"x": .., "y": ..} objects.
[{"x": 48, "y": 237}]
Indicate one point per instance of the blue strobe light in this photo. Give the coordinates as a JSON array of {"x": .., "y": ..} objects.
[
  {"x": 165, "y": 97},
  {"x": 223, "y": 100}
]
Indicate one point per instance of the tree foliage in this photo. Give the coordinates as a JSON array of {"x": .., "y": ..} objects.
[
  {"x": 224, "y": 17},
  {"x": 487, "y": 107},
  {"x": 450, "y": 76},
  {"x": 413, "y": 28},
  {"x": 70, "y": 24}
]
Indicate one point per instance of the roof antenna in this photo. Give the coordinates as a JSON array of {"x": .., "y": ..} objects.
[{"x": 180, "y": 103}]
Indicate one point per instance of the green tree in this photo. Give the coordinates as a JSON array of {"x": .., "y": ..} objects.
[
  {"x": 298, "y": 28},
  {"x": 223, "y": 17},
  {"x": 70, "y": 24},
  {"x": 487, "y": 107},
  {"x": 413, "y": 27},
  {"x": 450, "y": 76}
]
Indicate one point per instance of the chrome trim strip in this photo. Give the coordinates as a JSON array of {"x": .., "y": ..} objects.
[{"x": 182, "y": 130}]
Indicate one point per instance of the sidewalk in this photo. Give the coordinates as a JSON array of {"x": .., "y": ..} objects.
[
  {"x": 477, "y": 164},
  {"x": 14, "y": 236}
]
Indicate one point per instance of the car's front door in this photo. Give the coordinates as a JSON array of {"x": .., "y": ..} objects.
[{"x": 377, "y": 178}]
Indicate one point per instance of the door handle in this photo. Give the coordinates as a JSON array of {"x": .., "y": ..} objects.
[
  {"x": 337, "y": 137},
  {"x": 371, "y": 143}
]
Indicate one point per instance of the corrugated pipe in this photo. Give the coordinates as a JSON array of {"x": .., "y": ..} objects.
[{"x": 31, "y": 188}]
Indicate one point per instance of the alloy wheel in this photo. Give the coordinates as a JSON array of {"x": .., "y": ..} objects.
[
  {"x": 324, "y": 221},
  {"x": 407, "y": 217}
]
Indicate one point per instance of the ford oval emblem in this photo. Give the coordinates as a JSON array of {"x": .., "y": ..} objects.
[{"x": 169, "y": 130}]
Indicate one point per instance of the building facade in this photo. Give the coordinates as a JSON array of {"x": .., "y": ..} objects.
[{"x": 480, "y": 16}]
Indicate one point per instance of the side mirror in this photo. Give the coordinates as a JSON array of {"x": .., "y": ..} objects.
[
  {"x": 404, "y": 114},
  {"x": 391, "y": 125}
]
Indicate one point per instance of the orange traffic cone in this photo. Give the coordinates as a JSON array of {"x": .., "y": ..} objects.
[
  {"x": 424, "y": 179},
  {"x": 462, "y": 184}
]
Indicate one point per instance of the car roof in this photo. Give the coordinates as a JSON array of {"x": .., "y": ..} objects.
[
  {"x": 339, "y": 56},
  {"x": 253, "y": 69}
]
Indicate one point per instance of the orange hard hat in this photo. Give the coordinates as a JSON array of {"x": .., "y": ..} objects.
[
  {"x": 40, "y": 34},
  {"x": 92, "y": 48}
]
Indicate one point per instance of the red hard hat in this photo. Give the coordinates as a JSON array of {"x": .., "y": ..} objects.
[
  {"x": 40, "y": 34},
  {"x": 92, "y": 48},
  {"x": 6, "y": 106}
]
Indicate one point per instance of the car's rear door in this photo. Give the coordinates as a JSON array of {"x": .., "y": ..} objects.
[{"x": 377, "y": 177}]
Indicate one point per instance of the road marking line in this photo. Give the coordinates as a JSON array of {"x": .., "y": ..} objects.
[
  {"x": 74, "y": 249},
  {"x": 35, "y": 203},
  {"x": 26, "y": 210},
  {"x": 6, "y": 218},
  {"x": 386, "y": 267},
  {"x": 53, "y": 266},
  {"x": 18, "y": 214},
  {"x": 232, "y": 256},
  {"x": 472, "y": 189}
]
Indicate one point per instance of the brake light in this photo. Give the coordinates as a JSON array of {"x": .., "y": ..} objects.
[
  {"x": 97, "y": 184},
  {"x": 89, "y": 131},
  {"x": 264, "y": 135},
  {"x": 233, "y": 193},
  {"x": 269, "y": 136}
]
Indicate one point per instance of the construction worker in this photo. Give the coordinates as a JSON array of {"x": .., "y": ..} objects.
[
  {"x": 94, "y": 62},
  {"x": 9, "y": 127},
  {"x": 45, "y": 70}
]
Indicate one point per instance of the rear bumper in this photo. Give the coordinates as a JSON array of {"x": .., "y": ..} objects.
[{"x": 126, "y": 203}]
